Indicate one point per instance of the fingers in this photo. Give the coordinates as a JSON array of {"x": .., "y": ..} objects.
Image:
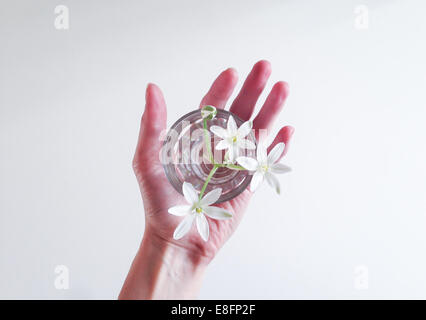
[
  {"x": 152, "y": 124},
  {"x": 272, "y": 106},
  {"x": 245, "y": 102},
  {"x": 221, "y": 89},
  {"x": 284, "y": 135}
]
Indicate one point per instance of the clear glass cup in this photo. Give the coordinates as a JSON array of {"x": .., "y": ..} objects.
[{"x": 185, "y": 157}]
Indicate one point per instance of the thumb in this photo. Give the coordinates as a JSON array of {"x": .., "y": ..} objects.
[{"x": 153, "y": 124}]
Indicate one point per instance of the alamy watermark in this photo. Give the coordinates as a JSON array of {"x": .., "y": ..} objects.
[
  {"x": 362, "y": 18},
  {"x": 62, "y": 18},
  {"x": 186, "y": 145},
  {"x": 62, "y": 278},
  {"x": 361, "y": 279}
]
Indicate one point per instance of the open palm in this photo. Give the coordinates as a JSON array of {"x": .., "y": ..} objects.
[{"x": 159, "y": 195}]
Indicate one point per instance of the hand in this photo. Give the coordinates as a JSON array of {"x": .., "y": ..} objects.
[{"x": 159, "y": 195}]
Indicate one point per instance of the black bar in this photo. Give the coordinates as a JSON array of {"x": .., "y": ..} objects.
[{"x": 220, "y": 309}]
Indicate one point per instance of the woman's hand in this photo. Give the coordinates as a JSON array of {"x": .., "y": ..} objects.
[{"x": 176, "y": 266}]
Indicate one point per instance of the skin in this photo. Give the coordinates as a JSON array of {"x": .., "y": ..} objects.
[{"x": 165, "y": 268}]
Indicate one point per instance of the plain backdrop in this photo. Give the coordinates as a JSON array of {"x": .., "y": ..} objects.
[{"x": 70, "y": 106}]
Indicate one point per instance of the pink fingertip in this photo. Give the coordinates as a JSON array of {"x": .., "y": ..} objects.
[
  {"x": 291, "y": 130},
  {"x": 282, "y": 88},
  {"x": 262, "y": 66},
  {"x": 150, "y": 89},
  {"x": 230, "y": 75}
]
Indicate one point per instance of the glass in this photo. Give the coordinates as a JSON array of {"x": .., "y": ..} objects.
[{"x": 185, "y": 158}]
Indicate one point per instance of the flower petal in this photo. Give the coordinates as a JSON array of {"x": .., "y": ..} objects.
[
  {"x": 232, "y": 153},
  {"x": 203, "y": 227},
  {"x": 232, "y": 126},
  {"x": 189, "y": 193},
  {"x": 219, "y": 131},
  {"x": 280, "y": 168},
  {"x": 245, "y": 129},
  {"x": 226, "y": 158},
  {"x": 275, "y": 153},
  {"x": 184, "y": 227},
  {"x": 211, "y": 197},
  {"x": 261, "y": 153},
  {"x": 217, "y": 213},
  {"x": 248, "y": 163},
  {"x": 180, "y": 210},
  {"x": 223, "y": 144},
  {"x": 256, "y": 181},
  {"x": 246, "y": 144},
  {"x": 273, "y": 182}
]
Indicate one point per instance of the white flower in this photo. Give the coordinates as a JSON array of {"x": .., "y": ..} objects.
[
  {"x": 197, "y": 210},
  {"x": 208, "y": 112},
  {"x": 233, "y": 137},
  {"x": 265, "y": 166}
]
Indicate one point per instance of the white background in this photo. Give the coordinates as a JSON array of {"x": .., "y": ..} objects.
[{"x": 70, "y": 105}]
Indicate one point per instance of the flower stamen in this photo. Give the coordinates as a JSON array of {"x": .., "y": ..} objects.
[{"x": 265, "y": 168}]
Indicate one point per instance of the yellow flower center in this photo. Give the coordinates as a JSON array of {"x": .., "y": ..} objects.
[
  {"x": 265, "y": 168},
  {"x": 234, "y": 139},
  {"x": 198, "y": 210}
]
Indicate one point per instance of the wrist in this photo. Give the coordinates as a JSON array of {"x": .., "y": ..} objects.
[
  {"x": 163, "y": 270},
  {"x": 169, "y": 250}
]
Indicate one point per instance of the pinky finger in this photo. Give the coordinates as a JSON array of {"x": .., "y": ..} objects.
[{"x": 284, "y": 135}]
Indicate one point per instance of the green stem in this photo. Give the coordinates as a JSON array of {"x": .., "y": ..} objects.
[
  {"x": 209, "y": 177},
  {"x": 208, "y": 141},
  {"x": 231, "y": 166}
]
